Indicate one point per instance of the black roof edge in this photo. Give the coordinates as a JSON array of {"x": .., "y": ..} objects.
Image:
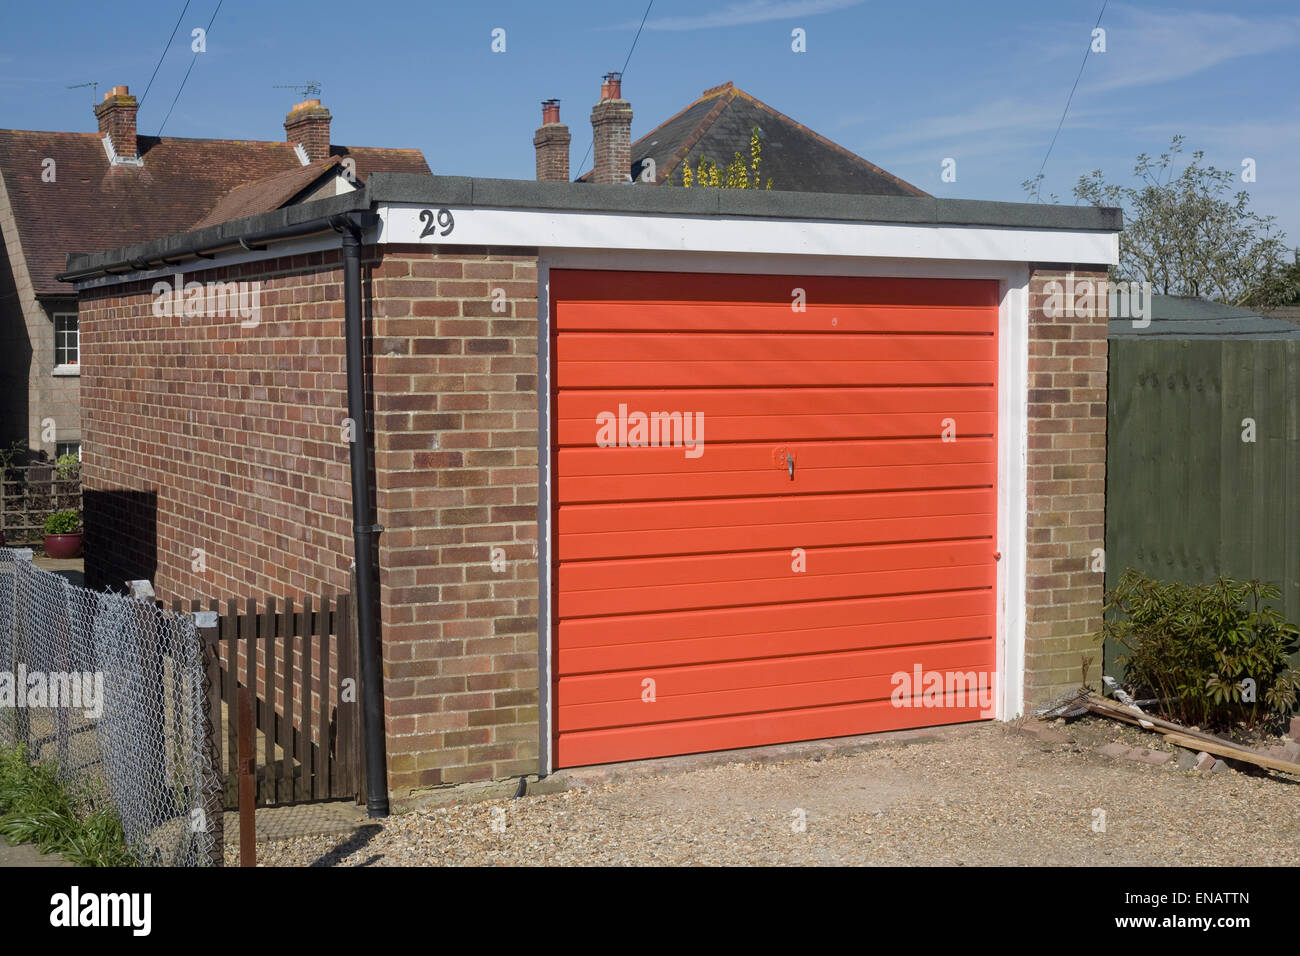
[
  {"x": 593, "y": 197},
  {"x": 81, "y": 265},
  {"x": 461, "y": 191}
]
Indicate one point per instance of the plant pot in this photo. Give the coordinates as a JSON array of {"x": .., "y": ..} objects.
[{"x": 63, "y": 545}]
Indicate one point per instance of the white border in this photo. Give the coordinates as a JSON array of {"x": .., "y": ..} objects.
[
  {"x": 660, "y": 232},
  {"x": 1013, "y": 424}
]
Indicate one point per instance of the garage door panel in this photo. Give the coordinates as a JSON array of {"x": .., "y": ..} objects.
[
  {"x": 685, "y": 372},
  {"x": 719, "y": 484},
  {"x": 692, "y": 527},
  {"x": 756, "y": 566},
  {"x": 751, "y": 687},
  {"x": 667, "y": 653},
  {"x": 634, "y": 348},
  {"x": 752, "y": 730},
  {"x": 732, "y": 415},
  {"x": 773, "y": 317},
  {"x": 678, "y": 562},
  {"x": 785, "y": 589},
  {"x": 759, "y": 623},
  {"x": 770, "y": 534}
]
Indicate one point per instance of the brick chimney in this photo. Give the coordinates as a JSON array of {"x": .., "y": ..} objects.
[
  {"x": 116, "y": 117},
  {"x": 552, "y": 143},
  {"x": 611, "y": 124},
  {"x": 308, "y": 123}
]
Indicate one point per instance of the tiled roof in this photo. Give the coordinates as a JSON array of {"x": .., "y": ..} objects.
[
  {"x": 718, "y": 125},
  {"x": 94, "y": 205},
  {"x": 263, "y": 195}
]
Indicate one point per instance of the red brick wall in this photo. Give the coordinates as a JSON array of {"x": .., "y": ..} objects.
[
  {"x": 200, "y": 433},
  {"x": 1066, "y": 488},
  {"x": 552, "y": 145},
  {"x": 456, "y": 451}
]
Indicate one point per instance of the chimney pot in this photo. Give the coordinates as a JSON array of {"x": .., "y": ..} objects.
[{"x": 612, "y": 88}]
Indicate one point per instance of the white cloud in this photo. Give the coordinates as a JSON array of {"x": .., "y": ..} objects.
[{"x": 1146, "y": 47}]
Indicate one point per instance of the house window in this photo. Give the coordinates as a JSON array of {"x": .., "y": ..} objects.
[
  {"x": 66, "y": 342},
  {"x": 67, "y": 448}
]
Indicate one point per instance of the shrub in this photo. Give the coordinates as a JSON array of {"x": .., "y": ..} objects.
[
  {"x": 37, "y": 807},
  {"x": 1198, "y": 647},
  {"x": 68, "y": 467},
  {"x": 63, "y": 522}
]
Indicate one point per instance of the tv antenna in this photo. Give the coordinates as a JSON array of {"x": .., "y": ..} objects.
[
  {"x": 94, "y": 90},
  {"x": 306, "y": 90}
]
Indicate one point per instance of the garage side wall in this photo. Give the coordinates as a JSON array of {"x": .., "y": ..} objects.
[
  {"x": 456, "y": 424},
  {"x": 214, "y": 461},
  {"x": 1066, "y": 482}
]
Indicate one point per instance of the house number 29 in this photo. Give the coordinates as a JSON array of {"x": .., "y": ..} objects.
[{"x": 444, "y": 220}]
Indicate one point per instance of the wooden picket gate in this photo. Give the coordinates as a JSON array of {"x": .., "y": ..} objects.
[{"x": 301, "y": 663}]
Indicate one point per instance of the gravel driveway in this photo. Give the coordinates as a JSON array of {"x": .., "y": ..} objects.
[{"x": 978, "y": 794}]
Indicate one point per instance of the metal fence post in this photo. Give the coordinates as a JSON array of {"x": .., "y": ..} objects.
[
  {"x": 22, "y": 612},
  {"x": 205, "y": 623}
]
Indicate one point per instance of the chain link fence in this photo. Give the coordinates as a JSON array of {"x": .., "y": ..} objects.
[{"x": 113, "y": 690}]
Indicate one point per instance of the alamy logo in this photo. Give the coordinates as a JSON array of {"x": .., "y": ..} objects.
[
  {"x": 72, "y": 690},
  {"x": 943, "y": 689},
  {"x": 653, "y": 430},
  {"x": 1079, "y": 298},
  {"x": 133, "y": 910},
  {"x": 208, "y": 300}
]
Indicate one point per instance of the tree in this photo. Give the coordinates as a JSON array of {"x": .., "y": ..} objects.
[
  {"x": 735, "y": 175},
  {"x": 1188, "y": 234}
]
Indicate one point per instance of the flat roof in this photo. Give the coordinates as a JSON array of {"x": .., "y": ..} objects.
[{"x": 464, "y": 191}]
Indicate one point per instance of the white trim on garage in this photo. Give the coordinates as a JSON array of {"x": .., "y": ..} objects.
[
  {"x": 1013, "y": 425},
  {"x": 547, "y": 228}
]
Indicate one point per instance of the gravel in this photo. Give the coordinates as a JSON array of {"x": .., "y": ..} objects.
[{"x": 987, "y": 794}]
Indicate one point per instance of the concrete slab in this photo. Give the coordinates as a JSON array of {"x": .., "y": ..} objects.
[
  {"x": 297, "y": 820},
  {"x": 24, "y": 854}
]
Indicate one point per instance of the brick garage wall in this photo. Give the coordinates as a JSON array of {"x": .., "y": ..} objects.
[
  {"x": 200, "y": 433},
  {"x": 456, "y": 458},
  {"x": 1067, "y": 487}
]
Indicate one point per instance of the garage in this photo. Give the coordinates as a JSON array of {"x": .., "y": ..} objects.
[
  {"x": 775, "y": 508},
  {"x": 655, "y": 471}
]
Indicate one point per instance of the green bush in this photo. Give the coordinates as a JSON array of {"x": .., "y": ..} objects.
[
  {"x": 36, "y": 807},
  {"x": 68, "y": 467},
  {"x": 1198, "y": 647},
  {"x": 63, "y": 522}
]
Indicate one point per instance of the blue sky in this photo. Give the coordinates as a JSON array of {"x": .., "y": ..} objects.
[{"x": 904, "y": 83}]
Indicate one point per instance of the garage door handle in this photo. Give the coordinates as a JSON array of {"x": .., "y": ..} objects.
[{"x": 789, "y": 462}]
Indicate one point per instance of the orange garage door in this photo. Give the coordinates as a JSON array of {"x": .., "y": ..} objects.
[{"x": 774, "y": 510}]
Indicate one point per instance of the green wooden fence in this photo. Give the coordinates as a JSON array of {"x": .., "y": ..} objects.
[{"x": 1186, "y": 497}]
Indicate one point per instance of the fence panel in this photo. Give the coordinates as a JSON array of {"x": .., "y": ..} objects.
[
  {"x": 115, "y": 694},
  {"x": 1187, "y": 496},
  {"x": 28, "y": 493},
  {"x": 301, "y": 661}
]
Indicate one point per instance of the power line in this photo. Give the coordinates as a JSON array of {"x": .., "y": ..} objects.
[
  {"x": 1078, "y": 77},
  {"x": 166, "y": 47},
  {"x": 193, "y": 60},
  {"x": 622, "y": 72}
]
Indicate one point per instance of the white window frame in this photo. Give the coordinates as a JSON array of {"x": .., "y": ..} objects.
[{"x": 66, "y": 368}]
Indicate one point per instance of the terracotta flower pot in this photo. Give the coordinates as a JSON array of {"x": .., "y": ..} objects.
[{"x": 63, "y": 545}]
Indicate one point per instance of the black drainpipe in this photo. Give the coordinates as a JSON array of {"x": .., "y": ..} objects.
[{"x": 364, "y": 529}]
